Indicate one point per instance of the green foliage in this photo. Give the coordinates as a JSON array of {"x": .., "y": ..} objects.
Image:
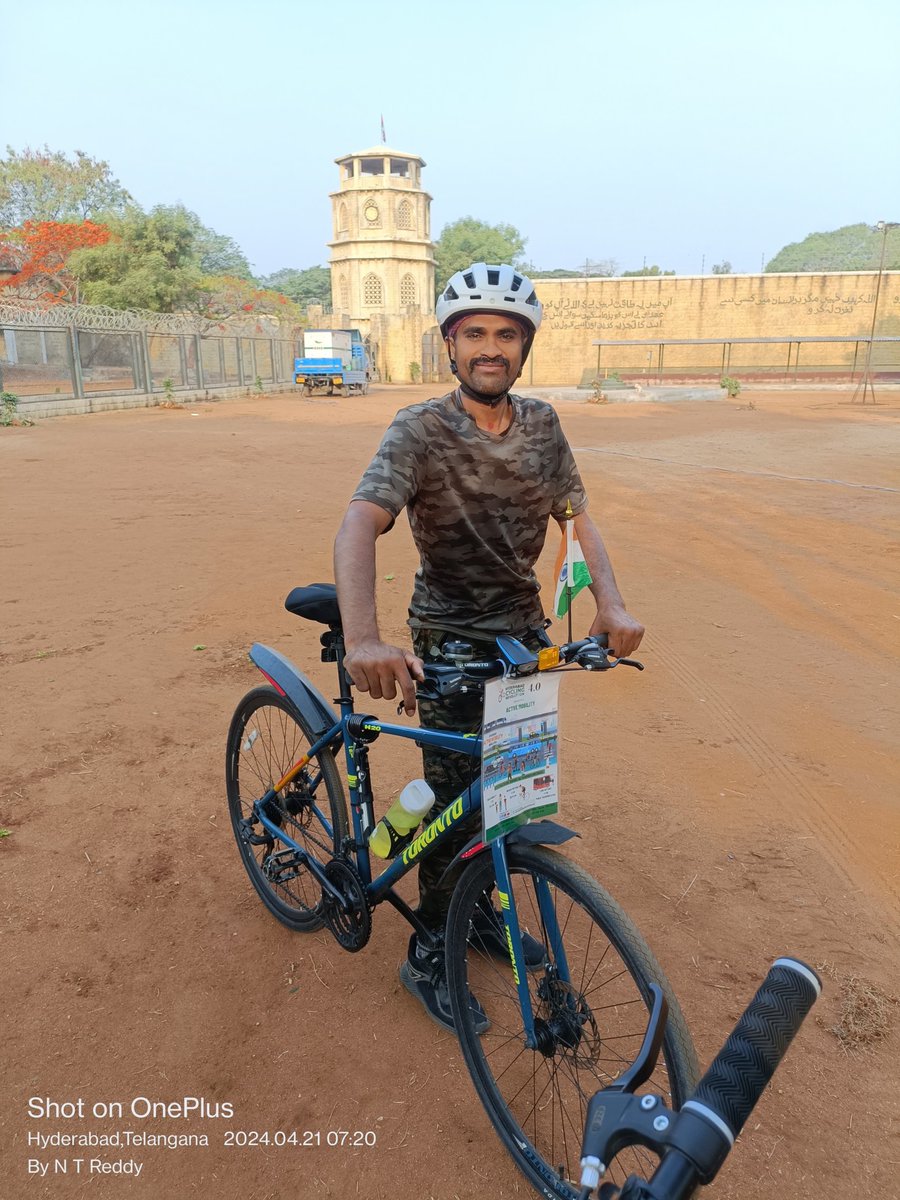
[
  {"x": 9, "y": 403},
  {"x": 165, "y": 260},
  {"x": 258, "y": 383},
  {"x": 468, "y": 240},
  {"x": 415, "y": 372},
  {"x": 311, "y": 286},
  {"x": 732, "y": 386},
  {"x": 45, "y": 185},
  {"x": 169, "y": 389},
  {"x": 654, "y": 270},
  {"x": 722, "y": 268},
  {"x": 850, "y": 248},
  {"x": 151, "y": 262}
]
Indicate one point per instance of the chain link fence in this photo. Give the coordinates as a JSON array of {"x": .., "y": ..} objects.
[{"x": 76, "y": 352}]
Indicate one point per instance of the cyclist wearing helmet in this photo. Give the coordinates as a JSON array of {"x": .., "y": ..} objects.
[{"x": 480, "y": 472}]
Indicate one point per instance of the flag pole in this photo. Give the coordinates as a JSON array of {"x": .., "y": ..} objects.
[{"x": 569, "y": 558}]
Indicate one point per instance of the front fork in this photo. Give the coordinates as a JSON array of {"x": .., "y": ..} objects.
[{"x": 549, "y": 930}]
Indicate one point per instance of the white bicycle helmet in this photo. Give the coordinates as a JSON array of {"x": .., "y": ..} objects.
[{"x": 490, "y": 288}]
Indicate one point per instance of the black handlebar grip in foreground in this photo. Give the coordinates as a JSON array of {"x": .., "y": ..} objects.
[{"x": 737, "y": 1076}]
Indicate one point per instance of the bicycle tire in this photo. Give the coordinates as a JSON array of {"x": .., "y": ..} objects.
[
  {"x": 537, "y": 1101},
  {"x": 267, "y": 736}
]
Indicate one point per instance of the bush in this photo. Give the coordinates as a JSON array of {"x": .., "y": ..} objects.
[
  {"x": 731, "y": 386},
  {"x": 9, "y": 403}
]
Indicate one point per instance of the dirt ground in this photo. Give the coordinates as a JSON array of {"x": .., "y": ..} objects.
[{"x": 739, "y": 798}]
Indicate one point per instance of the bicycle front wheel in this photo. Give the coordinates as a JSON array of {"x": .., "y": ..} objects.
[
  {"x": 590, "y": 1000},
  {"x": 266, "y": 738}
]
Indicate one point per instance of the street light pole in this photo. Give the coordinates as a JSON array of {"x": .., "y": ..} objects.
[{"x": 865, "y": 383}]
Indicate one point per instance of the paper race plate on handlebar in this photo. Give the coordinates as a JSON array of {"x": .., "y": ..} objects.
[{"x": 520, "y": 747}]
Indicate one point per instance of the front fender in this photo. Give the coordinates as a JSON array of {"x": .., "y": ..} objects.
[
  {"x": 535, "y": 833},
  {"x": 302, "y": 692}
]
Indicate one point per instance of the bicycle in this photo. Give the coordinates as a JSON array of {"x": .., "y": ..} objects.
[
  {"x": 555, "y": 1031},
  {"x": 693, "y": 1144}
]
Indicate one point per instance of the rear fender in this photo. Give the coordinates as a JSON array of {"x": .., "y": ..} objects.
[
  {"x": 293, "y": 684},
  {"x": 535, "y": 833}
]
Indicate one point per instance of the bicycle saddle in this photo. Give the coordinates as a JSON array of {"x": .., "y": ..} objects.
[{"x": 316, "y": 602}]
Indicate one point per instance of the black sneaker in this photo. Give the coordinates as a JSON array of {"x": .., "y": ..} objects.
[
  {"x": 424, "y": 975},
  {"x": 489, "y": 934}
]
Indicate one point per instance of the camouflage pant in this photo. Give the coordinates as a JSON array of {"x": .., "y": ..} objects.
[{"x": 447, "y": 773}]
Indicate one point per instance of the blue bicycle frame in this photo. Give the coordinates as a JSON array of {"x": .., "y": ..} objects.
[{"x": 356, "y": 732}]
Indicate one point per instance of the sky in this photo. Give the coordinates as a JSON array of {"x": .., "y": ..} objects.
[{"x": 677, "y": 134}]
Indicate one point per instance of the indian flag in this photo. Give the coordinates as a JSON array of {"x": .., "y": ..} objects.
[{"x": 572, "y": 574}]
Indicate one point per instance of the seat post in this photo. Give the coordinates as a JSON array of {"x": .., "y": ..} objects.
[{"x": 333, "y": 651}]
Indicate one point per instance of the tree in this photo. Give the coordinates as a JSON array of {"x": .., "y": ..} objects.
[
  {"x": 468, "y": 240},
  {"x": 221, "y": 296},
  {"x": 166, "y": 260},
  {"x": 150, "y": 261},
  {"x": 654, "y": 270},
  {"x": 311, "y": 286},
  {"x": 45, "y": 185},
  {"x": 850, "y": 248},
  {"x": 43, "y": 248},
  {"x": 217, "y": 254},
  {"x": 722, "y": 268}
]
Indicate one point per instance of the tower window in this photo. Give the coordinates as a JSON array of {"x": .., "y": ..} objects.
[
  {"x": 343, "y": 221},
  {"x": 373, "y": 293},
  {"x": 404, "y": 215},
  {"x": 407, "y": 290},
  {"x": 371, "y": 166},
  {"x": 400, "y": 166},
  {"x": 344, "y": 294}
]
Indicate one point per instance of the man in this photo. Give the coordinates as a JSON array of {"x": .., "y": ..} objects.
[{"x": 480, "y": 472}]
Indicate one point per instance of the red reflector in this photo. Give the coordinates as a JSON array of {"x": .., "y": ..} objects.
[
  {"x": 474, "y": 850},
  {"x": 279, "y": 690}
]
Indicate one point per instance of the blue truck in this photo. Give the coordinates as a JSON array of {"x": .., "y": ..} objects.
[{"x": 335, "y": 361}]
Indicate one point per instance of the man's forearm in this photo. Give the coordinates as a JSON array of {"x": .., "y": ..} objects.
[
  {"x": 603, "y": 588},
  {"x": 354, "y": 573}
]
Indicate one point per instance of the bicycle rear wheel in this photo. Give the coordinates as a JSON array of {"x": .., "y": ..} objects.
[
  {"x": 267, "y": 736},
  {"x": 590, "y": 1004}
]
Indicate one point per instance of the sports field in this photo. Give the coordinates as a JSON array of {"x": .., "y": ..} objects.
[{"x": 739, "y": 797}]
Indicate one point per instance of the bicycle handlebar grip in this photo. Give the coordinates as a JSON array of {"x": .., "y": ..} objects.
[{"x": 740, "y": 1071}]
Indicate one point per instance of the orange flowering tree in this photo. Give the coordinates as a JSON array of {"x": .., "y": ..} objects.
[
  {"x": 42, "y": 249},
  {"x": 222, "y": 296}
]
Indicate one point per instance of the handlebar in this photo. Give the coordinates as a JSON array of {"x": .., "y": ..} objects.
[
  {"x": 468, "y": 674},
  {"x": 694, "y": 1142}
]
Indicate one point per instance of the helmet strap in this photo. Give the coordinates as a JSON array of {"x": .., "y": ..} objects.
[{"x": 489, "y": 401}]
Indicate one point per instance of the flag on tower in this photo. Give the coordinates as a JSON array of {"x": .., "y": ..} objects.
[
  {"x": 383, "y": 138},
  {"x": 572, "y": 574}
]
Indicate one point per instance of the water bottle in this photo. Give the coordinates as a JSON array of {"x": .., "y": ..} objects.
[{"x": 394, "y": 830}]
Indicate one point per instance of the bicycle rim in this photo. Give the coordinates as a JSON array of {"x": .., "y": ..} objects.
[
  {"x": 591, "y": 1010},
  {"x": 267, "y": 736}
]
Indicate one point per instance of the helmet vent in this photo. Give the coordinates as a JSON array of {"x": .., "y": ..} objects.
[
  {"x": 532, "y": 299},
  {"x": 469, "y": 279},
  {"x": 493, "y": 278},
  {"x": 516, "y": 283},
  {"x": 451, "y": 294}
]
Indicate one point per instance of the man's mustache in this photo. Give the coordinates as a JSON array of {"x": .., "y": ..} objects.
[{"x": 498, "y": 359}]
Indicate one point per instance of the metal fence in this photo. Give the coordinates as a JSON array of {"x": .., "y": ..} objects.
[
  {"x": 71, "y": 352},
  {"x": 785, "y": 360}
]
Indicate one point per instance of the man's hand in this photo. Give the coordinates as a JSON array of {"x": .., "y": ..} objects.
[
  {"x": 377, "y": 668},
  {"x": 623, "y": 631}
]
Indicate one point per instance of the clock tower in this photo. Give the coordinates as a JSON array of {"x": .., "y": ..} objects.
[{"x": 382, "y": 257}]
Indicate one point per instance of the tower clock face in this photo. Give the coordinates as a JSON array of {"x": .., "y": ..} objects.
[{"x": 370, "y": 212}]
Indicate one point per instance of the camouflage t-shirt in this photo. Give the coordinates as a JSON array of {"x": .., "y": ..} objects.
[{"x": 478, "y": 506}]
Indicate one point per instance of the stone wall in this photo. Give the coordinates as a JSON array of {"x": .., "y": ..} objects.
[{"x": 578, "y": 312}]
